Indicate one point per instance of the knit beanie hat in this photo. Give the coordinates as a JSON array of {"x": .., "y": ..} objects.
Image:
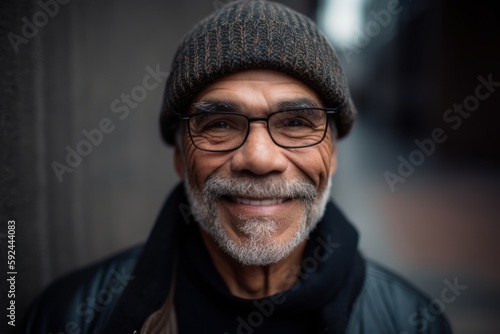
[{"x": 254, "y": 34}]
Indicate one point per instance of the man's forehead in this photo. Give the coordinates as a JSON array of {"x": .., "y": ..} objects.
[{"x": 276, "y": 89}]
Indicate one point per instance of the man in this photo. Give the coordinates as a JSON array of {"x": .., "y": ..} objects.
[{"x": 249, "y": 242}]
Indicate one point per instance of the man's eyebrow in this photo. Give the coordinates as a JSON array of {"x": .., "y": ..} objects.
[
  {"x": 298, "y": 103},
  {"x": 211, "y": 106}
]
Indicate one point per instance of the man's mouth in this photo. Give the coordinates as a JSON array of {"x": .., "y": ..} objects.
[{"x": 257, "y": 202}]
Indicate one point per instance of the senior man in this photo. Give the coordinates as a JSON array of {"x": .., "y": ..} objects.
[{"x": 250, "y": 241}]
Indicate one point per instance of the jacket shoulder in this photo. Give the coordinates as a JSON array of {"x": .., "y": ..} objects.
[
  {"x": 82, "y": 301},
  {"x": 389, "y": 304}
]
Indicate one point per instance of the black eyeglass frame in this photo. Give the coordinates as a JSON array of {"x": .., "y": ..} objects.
[{"x": 328, "y": 111}]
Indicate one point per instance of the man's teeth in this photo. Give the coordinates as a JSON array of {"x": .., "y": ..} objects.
[{"x": 271, "y": 201}]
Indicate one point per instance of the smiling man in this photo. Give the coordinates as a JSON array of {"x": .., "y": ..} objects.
[
  {"x": 254, "y": 105},
  {"x": 256, "y": 158},
  {"x": 262, "y": 186}
]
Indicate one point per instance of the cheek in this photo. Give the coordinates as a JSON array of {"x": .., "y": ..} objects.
[
  {"x": 200, "y": 165},
  {"x": 194, "y": 166},
  {"x": 316, "y": 163}
]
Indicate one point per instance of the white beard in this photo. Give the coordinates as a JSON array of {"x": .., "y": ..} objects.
[{"x": 259, "y": 247}]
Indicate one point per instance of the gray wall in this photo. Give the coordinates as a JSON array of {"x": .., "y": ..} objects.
[{"x": 60, "y": 81}]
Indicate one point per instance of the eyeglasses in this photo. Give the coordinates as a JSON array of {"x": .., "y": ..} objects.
[{"x": 227, "y": 131}]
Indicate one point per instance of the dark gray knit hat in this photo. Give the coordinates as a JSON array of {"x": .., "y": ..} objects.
[{"x": 254, "y": 34}]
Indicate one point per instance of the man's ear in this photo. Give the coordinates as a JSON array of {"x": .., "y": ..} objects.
[{"x": 179, "y": 161}]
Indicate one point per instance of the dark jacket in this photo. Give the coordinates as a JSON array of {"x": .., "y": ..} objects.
[{"x": 104, "y": 298}]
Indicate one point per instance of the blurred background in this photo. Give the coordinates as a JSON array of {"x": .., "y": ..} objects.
[{"x": 418, "y": 176}]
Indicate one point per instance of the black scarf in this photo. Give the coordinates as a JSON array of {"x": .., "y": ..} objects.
[{"x": 341, "y": 273}]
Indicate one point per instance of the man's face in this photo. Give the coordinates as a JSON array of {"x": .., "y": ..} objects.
[{"x": 261, "y": 201}]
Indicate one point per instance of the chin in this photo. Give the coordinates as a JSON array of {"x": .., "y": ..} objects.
[{"x": 251, "y": 238}]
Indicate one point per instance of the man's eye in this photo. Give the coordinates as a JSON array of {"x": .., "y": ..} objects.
[
  {"x": 295, "y": 122},
  {"x": 219, "y": 124}
]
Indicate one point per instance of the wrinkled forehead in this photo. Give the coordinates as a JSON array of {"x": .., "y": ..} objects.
[{"x": 258, "y": 88}]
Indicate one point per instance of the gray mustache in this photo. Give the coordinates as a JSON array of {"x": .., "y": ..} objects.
[{"x": 217, "y": 186}]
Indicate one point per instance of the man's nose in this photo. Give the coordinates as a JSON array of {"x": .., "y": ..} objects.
[{"x": 259, "y": 155}]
